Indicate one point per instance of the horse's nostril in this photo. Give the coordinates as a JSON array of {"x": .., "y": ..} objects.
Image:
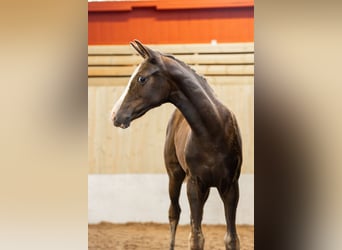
[
  {"x": 115, "y": 122},
  {"x": 122, "y": 122},
  {"x": 115, "y": 119},
  {"x": 113, "y": 116}
]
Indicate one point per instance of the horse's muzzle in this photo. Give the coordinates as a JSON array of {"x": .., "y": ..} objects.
[{"x": 122, "y": 123}]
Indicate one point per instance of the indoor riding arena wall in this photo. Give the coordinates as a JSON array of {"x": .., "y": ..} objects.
[{"x": 127, "y": 179}]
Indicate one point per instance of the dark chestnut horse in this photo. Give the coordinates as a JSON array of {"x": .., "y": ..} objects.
[{"x": 203, "y": 141}]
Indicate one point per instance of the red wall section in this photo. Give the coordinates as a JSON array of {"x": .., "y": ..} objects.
[
  {"x": 109, "y": 24},
  {"x": 122, "y": 5}
]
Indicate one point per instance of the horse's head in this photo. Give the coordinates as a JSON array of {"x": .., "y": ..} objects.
[{"x": 147, "y": 88}]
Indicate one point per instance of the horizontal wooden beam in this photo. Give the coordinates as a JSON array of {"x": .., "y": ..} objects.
[
  {"x": 213, "y": 80},
  {"x": 207, "y": 70},
  {"x": 174, "y": 48},
  {"x": 220, "y": 64},
  {"x": 224, "y": 59}
]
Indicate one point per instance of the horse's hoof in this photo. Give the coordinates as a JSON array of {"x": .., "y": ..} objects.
[
  {"x": 196, "y": 243},
  {"x": 232, "y": 244}
]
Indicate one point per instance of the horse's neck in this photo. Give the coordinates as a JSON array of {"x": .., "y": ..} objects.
[{"x": 198, "y": 104}]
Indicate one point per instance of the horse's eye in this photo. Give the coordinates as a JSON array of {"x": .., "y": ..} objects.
[{"x": 142, "y": 79}]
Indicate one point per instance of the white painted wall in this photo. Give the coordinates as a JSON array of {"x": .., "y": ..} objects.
[{"x": 124, "y": 198}]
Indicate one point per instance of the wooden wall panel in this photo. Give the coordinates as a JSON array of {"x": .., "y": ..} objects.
[{"x": 139, "y": 149}]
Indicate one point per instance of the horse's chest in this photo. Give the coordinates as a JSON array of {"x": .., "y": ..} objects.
[
  {"x": 206, "y": 161},
  {"x": 200, "y": 158},
  {"x": 207, "y": 157}
]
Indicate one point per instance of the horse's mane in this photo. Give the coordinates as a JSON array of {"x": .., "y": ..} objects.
[{"x": 201, "y": 78}]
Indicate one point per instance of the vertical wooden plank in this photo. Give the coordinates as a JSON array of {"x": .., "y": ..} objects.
[{"x": 91, "y": 129}]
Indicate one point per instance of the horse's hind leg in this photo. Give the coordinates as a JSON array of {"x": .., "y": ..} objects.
[
  {"x": 176, "y": 178},
  {"x": 197, "y": 195},
  {"x": 230, "y": 197}
]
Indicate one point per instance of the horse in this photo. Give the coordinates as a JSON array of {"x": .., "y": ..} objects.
[{"x": 203, "y": 144}]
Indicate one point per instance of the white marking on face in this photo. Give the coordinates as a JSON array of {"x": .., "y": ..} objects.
[{"x": 118, "y": 104}]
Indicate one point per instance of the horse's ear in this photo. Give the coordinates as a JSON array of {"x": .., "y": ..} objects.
[{"x": 143, "y": 50}]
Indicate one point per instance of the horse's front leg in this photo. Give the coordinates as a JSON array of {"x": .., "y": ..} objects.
[
  {"x": 176, "y": 178},
  {"x": 197, "y": 195}
]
